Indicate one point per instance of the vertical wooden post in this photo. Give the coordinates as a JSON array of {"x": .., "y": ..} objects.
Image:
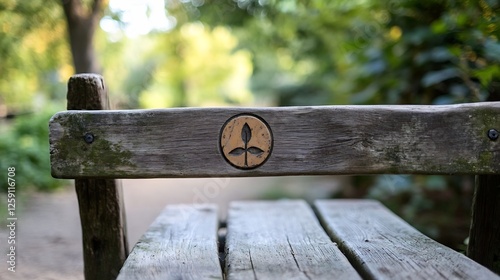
[
  {"x": 484, "y": 236},
  {"x": 100, "y": 201}
]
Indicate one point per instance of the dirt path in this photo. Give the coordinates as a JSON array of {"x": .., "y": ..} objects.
[{"x": 49, "y": 237}]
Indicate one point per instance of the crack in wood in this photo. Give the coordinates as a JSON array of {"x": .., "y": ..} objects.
[
  {"x": 295, "y": 259},
  {"x": 251, "y": 263}
]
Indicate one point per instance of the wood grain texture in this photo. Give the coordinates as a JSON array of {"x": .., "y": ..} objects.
[
  {"x": 180, "y": 244},
  {"x": 280, "y": 240},
  {"x": 450, "y": 139},
  {"x": 87, "y": 92},
  {"x": 484, "y": 237},
  {"x": 102, "y": 212},
  {"x": 382, "y": 246}
]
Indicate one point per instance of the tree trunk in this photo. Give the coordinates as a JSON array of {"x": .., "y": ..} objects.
[{"x": 82, "y": 24}]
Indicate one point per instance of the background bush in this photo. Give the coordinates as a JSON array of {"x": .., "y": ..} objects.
[{"x": 24, "y": 144}]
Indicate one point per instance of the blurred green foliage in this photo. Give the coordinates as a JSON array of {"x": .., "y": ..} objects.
[
  {"x": 438, "y": 52},
  {"x": 365, "y": 51},
  {"x": 33, "y": 53},
  {"x": 172, "y": 70},
  {"x": 287, "y": 52},
  {"x": 24, "y": 144}
]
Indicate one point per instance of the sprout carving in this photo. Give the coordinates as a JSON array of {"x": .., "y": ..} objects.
[{"x": 246, "y": 135}]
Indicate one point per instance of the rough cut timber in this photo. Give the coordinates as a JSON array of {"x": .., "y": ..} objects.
[
  {"x": 184, "y": 142},
  {"x": 180, "y": 244},
  {"x": 102, "y": 212},
  {"x": 484, "y": 236},
  {"x": 382, "y": 246},
  {"x": 280, "y": 240}
]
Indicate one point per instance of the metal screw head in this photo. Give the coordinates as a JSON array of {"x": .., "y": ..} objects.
[
  {"x": 89, "y": 138},
  {"x": 493, "y": 134}
]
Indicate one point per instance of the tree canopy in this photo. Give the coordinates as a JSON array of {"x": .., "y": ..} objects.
[
  {"x": 286, "y": 52},
  {"x": 364, "y": 51},
  {"x": 32, "y": 51}
]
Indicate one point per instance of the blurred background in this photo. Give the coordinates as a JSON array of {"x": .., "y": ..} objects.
[{"x": 175, "y": 53}]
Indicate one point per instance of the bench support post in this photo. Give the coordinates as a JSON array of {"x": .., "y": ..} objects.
[
  {"x": 484, "y": 236},
  {"x": 102, "y": 212}
]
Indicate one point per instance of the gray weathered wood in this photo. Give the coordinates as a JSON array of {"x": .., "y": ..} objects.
[
  {"x": 180, "y": 244},
  {"x": 280, "y": 240},
  {"x": 102, "y": 212},
  {"x": 382, "y": 246},
  {"x": 484, "y": 237},
  {"x": 449, "y": 139}
]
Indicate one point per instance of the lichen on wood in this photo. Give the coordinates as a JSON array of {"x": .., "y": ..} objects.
[{"x": 79, "y": 156}]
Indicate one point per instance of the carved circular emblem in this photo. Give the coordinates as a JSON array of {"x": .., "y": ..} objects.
[{"x": 246, "y": 141}]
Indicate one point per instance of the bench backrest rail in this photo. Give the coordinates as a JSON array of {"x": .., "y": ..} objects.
[{"x": 192, "y": 142}]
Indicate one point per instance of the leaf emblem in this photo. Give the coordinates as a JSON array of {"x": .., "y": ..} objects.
[
  {"x": 246, "y": 149},
  {"x": 246, "y": 134}
]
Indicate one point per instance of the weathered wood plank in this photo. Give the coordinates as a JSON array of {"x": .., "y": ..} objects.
[
  {"x": 280, "y": 240},
  {"x": 180, "y": 244},
  {"x": 102, "y": 212},
  {"x": 449, "y": 139},
  {"x": 484, "y": 237},
  {"x": 382, "y": 246}
]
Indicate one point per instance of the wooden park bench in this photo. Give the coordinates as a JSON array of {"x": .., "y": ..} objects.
[{"x": 284, "y": 239}]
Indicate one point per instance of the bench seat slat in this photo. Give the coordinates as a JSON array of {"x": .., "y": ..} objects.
[
  {"x": 180, "y": 244},
  {"x": 382, "y": 246},
  {"x": 184, "y": 142},
  {"x": 280, "y": 240}
]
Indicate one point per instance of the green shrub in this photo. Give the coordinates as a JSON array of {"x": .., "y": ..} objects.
[{"x": 24, "y": 144}]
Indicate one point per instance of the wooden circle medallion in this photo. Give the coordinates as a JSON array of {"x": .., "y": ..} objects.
[{"x": 246, "y": 141}]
